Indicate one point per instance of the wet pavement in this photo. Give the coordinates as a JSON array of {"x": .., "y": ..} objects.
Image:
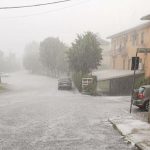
[{"x": 34, "y": 115}]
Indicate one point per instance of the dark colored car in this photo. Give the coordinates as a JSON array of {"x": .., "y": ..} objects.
[
  {"x": 65, "y": 83},
  {"x": 141, "y": 97}
]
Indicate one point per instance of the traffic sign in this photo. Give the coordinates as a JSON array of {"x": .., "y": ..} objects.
[
  {"x": 135, "y": 63},
  {"x": 143, "y": 50}
]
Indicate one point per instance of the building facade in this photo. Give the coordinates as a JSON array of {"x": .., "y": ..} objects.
[{"x": 124, "y": 46}]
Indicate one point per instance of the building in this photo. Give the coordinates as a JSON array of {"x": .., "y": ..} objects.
[
  {"x": 124, "y": 46},
  {"x": 115, "y": 82}
]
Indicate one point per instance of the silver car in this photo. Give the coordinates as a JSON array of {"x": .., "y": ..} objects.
[{"x": 65, "y": 83}]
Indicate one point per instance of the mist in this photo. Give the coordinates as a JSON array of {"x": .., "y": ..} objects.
[
  {"x": 21, "y": 26},
  {"x": 69, "y": 80}
]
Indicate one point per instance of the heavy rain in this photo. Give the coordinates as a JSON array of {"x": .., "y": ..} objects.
[{"x": 74, "y": 75}]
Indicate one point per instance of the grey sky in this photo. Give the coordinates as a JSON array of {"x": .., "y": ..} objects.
[{"x": 106, "y": 17}]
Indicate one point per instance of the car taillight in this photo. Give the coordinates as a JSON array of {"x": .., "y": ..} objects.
[{"x": 141, "y": 96}]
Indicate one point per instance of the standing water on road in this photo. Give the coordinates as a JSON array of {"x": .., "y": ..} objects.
[
  {"x": 67, "y": 69},
  {"x": 35, "y": 115}
]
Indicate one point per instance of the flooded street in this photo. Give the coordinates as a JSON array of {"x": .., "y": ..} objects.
[
  {"x": 34, "y": 115},
  {"x": 99, "y": 47}
]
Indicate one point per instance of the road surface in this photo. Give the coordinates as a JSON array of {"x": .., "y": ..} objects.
[{"x": 34, "y": 115}]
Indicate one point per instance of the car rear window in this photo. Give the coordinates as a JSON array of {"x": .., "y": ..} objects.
[{"x": 141, "y": 89}]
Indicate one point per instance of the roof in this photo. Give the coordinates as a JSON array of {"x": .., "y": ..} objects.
[
  {"x": 146, "y": 17},
  {"x": 146, "y": 86},
  {"x": 112, "y": 74},
  {"x": 130, "y": 30}
]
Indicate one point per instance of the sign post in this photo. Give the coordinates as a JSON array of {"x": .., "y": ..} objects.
[{"x": 133, "y": 82}]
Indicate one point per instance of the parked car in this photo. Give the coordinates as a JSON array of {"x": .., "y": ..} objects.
[
  {"x": 65, "y": 83},
  {"x": 141, "y": 97}
]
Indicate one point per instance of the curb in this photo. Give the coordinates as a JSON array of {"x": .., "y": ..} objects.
[
  {"x": 138, "y": 145},
  {"x": 141, "y": 146}
]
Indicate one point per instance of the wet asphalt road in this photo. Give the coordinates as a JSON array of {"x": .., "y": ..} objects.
[{"x": 34, "y": 115}]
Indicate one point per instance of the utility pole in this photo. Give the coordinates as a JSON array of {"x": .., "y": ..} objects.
[
  {"x": 133, "y": 84},
  {"x": 149, "y": 113}
]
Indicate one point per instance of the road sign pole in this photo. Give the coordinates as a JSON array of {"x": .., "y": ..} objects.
[
  {"x": 133, "y": 82},
  {"x": 149, "y": 113}
]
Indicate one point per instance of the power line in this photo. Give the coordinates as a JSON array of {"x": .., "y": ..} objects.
[
  {"x": 47, "y": 12},
  {"x": 34, "y": 5}
]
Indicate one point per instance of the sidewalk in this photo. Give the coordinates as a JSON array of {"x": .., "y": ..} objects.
[{"x": 135, "y": 131}]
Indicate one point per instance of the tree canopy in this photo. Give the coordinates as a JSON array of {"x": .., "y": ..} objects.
[
  {"x": 31, "y": 59},
  {"x": 85, "y": 53},
  {"x": 9, "y": 62},
  {"x": 52, "y": 55}
]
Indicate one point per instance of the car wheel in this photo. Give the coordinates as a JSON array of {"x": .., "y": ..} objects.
[{"x": 147, "y": 106}]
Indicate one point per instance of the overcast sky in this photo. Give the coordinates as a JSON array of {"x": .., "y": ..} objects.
[{"x": 105, "y": 17}]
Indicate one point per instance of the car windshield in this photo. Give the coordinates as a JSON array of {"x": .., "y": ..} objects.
[{"x": 65, "y": 79}]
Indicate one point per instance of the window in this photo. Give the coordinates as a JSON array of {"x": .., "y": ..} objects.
[
  {"x": 114, "y": 44},
  {"x": 134, "y": 38},
  {"x": 137, "y": 39},
  {"x": 142, "y": 38}
]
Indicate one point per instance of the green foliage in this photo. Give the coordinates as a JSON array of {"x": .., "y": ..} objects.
[
  {"x": 3, "y": 87},
  {"x": 8, "y": 63},
  {"x": 31, "y": 58},
  {"x": 91, "y": 88},
  {"x": 52, "y": 55},
  {"x": 142, "y": 81},
  {"x": 85, "y": 53},
  {"x": 77, "y": 79}
]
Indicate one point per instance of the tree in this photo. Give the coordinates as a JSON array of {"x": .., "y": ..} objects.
[
  {"x": 31, "y": 59},
  {"x": 52, "y": 55},
  {"x": 12, "y": 63},
  {"x": 8, "y": 63},
  {"x": 85, "y": 53}
]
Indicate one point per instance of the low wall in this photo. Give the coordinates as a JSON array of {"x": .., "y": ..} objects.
[{"x": 117, "y": 86}]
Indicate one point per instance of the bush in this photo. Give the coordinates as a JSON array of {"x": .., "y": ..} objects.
[
  {"x": 3, "y": 87},
  {"x": 77, "y": 79},
  {"x": 142, "y": 81},
  {"x": 91, "y": 88}
]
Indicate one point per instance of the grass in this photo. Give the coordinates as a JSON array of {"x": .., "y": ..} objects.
[{"x": 2, "y": 87}]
